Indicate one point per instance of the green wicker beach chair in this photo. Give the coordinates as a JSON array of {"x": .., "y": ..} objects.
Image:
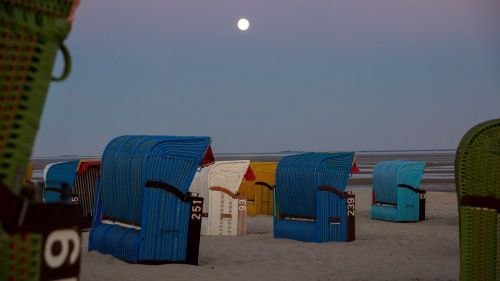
[
  {"x": 31, "y": 33},
  {"x": 477, "y": 176}
]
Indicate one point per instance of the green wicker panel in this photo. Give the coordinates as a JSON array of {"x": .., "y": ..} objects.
[
  {"x": 477, "y": 166},
  {"x": 478, "y": 240},
  {"x": 58, "y": 8},
  {"x": 20, "y": 256},
  {"x": 31, "y": 32},
  {"x": 477, "y": 173},
  {"x": 498, "y": 248}
]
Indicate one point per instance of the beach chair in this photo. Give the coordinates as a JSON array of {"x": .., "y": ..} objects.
[
  {"x": 396, "y": 193},
  {"x": 259, "y": 193},
  {"x": 31, "y": 32},
  {"x": 143, "y": 212},
  {"x": 311, "y": 199},
  {"x": 224, "y": 210},
  {"x": 79, "y": 177},
  {"x": 477, "y": 179}
]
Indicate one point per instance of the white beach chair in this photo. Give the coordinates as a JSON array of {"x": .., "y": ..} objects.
[{"x": 224, "y": 210}]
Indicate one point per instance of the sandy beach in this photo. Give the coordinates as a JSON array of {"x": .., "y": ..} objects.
[{"x": 382, "y": 250}]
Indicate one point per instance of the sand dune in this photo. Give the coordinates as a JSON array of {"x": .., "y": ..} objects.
[{"x": 382, "y": 251}]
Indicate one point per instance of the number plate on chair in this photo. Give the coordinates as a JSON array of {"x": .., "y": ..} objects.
[
  {"x": 194, "y": 229},
  {"x": 351, "y": 217},
  {"x": 421, "y": 207},
  {"x": 59, "y": 225}
]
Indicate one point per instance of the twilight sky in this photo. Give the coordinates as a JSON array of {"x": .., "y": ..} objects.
[{"x": 315, "y": 75}]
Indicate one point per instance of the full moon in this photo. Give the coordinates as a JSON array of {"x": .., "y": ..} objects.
[{"x": 243, "y": 24}]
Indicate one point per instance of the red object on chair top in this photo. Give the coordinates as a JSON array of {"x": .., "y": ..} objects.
[
  {"x": 354, "y": 169},
  {"x": 249, "y": 175},
  {"x": 208, "y": 158},
  {"x": 85, "y": 165}
]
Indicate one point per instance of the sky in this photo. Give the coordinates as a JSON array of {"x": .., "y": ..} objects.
[{"x": 315, "y": 75}]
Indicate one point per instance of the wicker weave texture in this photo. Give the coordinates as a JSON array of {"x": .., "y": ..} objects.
[
  {"x": 387, "y": 175},
  {"x": 298, "y": 178},
  {"x": 477, "y": 174},
  {"x": 31, "y": 32},
  {"x": 20, "y": 257},
  {"x": 160, "y": 217}
]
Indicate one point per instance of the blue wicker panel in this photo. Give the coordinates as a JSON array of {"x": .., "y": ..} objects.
[
  {"x": 116, "y": 240},
  {"x": 57, "y": 175},
  {"x": 411, "y": 174},
  {"x": 388, "y": 174},
  {"x": 331, "y": 206},
  {"x": 112, "y": 174},
  {"x": 299, "y": 176},
  {"x": 297, "y": 230},
  {"x": 165, "y": 233},
  {"x": 182, "y": 157},
  {"x": 383, "y": 212},
  {"x": 408, "y": 205}
]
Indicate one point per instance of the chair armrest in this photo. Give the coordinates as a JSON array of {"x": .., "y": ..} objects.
[
  {"x": 224, "y": 190},
  {"x": 265, "y": 184},
  {"x": 169, "y": 188},
  {"x": 341, "y": 195},
  {"x": 411, "y": 188}
]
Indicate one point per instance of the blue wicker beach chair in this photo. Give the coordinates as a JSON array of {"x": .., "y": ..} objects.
[
  {"x": 312, "y": 205},
  {"x": 56, "y": 177},
  {"x": 79, "y": 177},
  {"x": 143, "y": 211},
  {"x": 396, "y": 193}
]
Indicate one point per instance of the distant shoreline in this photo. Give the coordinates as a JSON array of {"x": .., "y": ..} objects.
[{"x": 281, "y": 153}]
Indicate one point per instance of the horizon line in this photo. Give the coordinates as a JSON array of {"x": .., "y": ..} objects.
[{"x": 277, "y": 152}]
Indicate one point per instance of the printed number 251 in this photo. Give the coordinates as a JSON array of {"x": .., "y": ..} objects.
[{"x": 196, "y": 210}]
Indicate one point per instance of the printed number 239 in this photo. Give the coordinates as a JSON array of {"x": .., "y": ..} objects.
[{"x": 350, "y": 207}]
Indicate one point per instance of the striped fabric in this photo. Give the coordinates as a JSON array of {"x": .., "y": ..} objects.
[
  {"x": 304, "y": 211},
  {"x": 161, "y": 219},
  {"x": 393, "y": 203},
  {"x": 80, "y": 176},
  {"x": 84, "y": 187}
]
